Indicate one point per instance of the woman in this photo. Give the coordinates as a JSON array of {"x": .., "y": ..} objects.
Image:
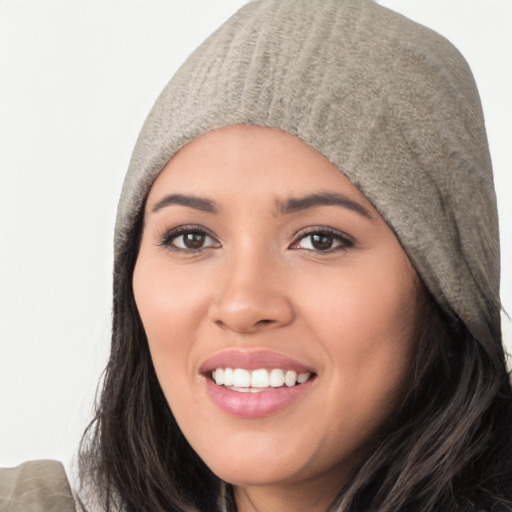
[{"x": 288, "y": 336}]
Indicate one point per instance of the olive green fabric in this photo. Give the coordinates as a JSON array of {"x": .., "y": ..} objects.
[
  {"x": 37, "y": 486},
  {"x": 392, "y": 104}
]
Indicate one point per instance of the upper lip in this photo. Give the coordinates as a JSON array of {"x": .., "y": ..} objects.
[{"x": 252, "y": 360}]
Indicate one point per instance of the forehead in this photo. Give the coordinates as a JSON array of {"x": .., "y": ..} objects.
[{"x": 252, "y": 162}]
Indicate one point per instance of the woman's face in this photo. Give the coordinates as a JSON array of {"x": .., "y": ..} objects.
[{"x": 259, "y": 262}]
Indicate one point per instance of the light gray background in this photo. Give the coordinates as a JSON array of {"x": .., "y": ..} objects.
[{"x": 77, "y": 79}]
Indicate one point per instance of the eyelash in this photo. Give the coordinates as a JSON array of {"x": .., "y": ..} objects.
[
  {"x": 169, "y": 238},
  {"x": 344, "y": 242}
]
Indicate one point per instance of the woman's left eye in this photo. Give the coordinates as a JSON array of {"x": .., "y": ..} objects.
[{"x": 322, "y": 241}]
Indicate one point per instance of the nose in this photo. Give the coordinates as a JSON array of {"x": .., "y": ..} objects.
[{"x": 252, "y": 297}]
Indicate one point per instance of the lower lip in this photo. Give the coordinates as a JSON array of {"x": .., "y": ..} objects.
[{"x": 254, "y": 405}]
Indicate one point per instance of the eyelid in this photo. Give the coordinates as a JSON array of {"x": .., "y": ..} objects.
[
  {"x": 347, "y": 240},
  {"x": 168, "y": 235}
]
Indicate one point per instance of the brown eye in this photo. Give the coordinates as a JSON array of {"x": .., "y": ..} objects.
[
  {"x": 192, "y": 240},
  {"x": 189, "y": 240},
  {"x": 323, "y": 241}
]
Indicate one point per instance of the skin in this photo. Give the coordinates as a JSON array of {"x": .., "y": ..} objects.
[{"x": 345, "y": 308}]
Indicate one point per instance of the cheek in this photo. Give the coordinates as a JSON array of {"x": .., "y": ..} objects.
[
  {"x": 171, "y": 310},
  {"x": 169, "y": 298},
  {"x": 365, "y": 321},
  {"x": 364, "y": 307}
]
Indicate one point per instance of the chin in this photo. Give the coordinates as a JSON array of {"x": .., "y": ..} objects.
[{"x": 265, "y": 473}]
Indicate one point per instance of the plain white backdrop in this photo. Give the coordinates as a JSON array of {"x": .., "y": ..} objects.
[{"x": 77, "y": 79}]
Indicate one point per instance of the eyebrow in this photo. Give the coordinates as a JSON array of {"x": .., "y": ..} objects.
[
  {"x": 291, "y": 205},
  {"x": 198, "y": 203},
  {"x": 322, "y": 199}
]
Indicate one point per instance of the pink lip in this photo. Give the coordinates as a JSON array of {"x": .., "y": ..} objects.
[
  {"x": 253, "y": 405},
  {"x": 253, "y": 361}
]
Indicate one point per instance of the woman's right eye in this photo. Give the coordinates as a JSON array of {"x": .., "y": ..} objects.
[{"x": 188, "y": 240}]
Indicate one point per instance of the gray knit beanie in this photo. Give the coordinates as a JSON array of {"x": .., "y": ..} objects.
[{"x": 392, "y": 104}]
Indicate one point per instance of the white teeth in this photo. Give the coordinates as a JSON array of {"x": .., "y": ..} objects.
[
  {"x": 240, "y": 379},
  {"x": 276, "y": 378},
  {"x": 290, "y": 378},
  {"x": 228, "y": 377},
  {"x": 303, "y": 377},
  {"x": 219, "y": 376},
  {"x": 247, "y": 390},
  {"x": 259, "y": 379}
]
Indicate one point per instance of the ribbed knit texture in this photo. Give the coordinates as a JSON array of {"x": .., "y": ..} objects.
[{"x": 391, "y": 103}]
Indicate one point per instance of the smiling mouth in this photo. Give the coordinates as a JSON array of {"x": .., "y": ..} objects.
[{"x": 256, "y": 381}]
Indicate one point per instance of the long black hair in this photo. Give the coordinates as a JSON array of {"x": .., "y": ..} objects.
[{"x": 447, "y": 448}]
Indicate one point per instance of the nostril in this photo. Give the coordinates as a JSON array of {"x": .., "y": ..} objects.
[
  {"x": 244, "y": 312},
  {"x": 260, "y": 323}
]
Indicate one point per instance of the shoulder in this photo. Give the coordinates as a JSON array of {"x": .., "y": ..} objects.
[{"x": 37, "y": 486}]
